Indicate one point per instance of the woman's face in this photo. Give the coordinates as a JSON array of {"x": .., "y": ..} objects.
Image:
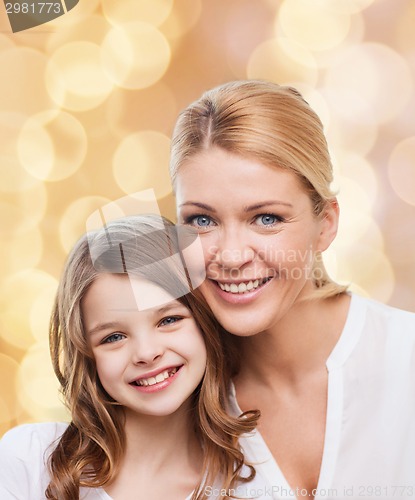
[{"x": 259, "y": 236}]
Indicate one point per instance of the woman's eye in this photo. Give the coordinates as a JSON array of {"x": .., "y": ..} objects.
[
  {"x": 200, "y": 221},
  {"x": 267, "y": 219},
  {"x": 170, "y": 320},
  {"x": 115, "y": 337}
]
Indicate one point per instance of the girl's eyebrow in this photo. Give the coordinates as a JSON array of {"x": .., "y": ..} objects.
[
  {"x": 103, "y": 326},
  {"x": 169, "y": 306},
  {"x": 111, "y": 325}
]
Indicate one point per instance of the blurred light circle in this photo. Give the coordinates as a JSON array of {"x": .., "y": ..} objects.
[
  {"x": 355, "y": 208},
  {"x": 183, "y": 17},
  {"x": 135, "y": 55},
  {"x": 369, "y": 268},
  {"x": 73, "y": 222},
  {"x": 360, "y": 171},
  {"x": 52, "y": 145},
  {"x": 38, "y": 388},
  {"x": 401, "y": 170},
  {"x": 17, "y": 295},
  {"x": 314, "y": 25},
  {"x": 22, "y": 250},
  {"x": 75, "y": 78},
  {"x": 21, "y": 212},
  {"x": 9, "y": 407},
  {"x": 6, "y": 42},
  {"x": 153, "y": 108},
  {"x": 355, "y": 36},
  {"x": 380, "y": 92},
  {"x": 92, "y": 29},
  {"x": 82, "y": 11},
  {"x": 404, "y": 29},
  {"x": 153, "y": 12},
  {"x": 349, "y": 7},
  {"x": 282, "y": 60},
  {"x": 41, "y": 311},
  {"x": 24, "y": 69},
  {"x": 348, "y": 133},
  {"x": 141, "y": 162},
  {"x": 14, "y": 178}
]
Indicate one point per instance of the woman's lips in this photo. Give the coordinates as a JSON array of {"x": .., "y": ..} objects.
[{"x": 240, "y": 292}]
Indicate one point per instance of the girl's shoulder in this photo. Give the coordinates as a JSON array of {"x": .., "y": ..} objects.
[
  {"x": 24, "y": 452},
  {"x": 29, "y": 438}
]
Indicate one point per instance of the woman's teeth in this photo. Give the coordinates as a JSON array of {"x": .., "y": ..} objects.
[
  {"x": 160, "y": 377},
  {"x": 242, "y": 287}
]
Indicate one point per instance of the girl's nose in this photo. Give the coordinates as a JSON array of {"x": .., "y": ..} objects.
[{"x": 147, "y": 349}]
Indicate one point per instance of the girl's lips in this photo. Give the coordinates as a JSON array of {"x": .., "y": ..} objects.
[
  {"x": 239, "y": 298},
  {"x": 158, "y": 386}
]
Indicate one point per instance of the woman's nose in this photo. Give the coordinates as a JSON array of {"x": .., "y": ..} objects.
[{"x": 233, "y": 250}]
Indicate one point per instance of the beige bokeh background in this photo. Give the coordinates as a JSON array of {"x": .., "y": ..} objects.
[{"x": 88, "y": 103}]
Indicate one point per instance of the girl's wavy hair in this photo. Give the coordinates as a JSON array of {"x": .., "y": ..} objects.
[
  {"x": 272, "y": 124},
  {"x": 90, "y": 450}
]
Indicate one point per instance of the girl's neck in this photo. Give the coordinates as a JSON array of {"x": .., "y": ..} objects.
[
  {"x": 159, "y": 451},
  {"x": 297, "y": 346},
  {"x": 154, "y": 442}
]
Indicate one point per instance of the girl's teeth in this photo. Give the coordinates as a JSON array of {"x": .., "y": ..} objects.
[
  {"x": 157, "y": 379},
  {"x": 242, "y": 287}
]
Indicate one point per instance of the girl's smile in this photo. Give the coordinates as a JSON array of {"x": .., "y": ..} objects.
[{"x": 156, "y": 380}]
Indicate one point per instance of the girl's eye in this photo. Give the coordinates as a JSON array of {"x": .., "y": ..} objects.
[
  {"x": 115, "y": 337},
  {"x": 267, "y": 220},
  {"x": 199, "y": 221},
  {"x": 170, "y": 320}
]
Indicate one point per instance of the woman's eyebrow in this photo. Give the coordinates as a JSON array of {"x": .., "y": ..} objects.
[
  {"x": 249, "y": 208},
  {"x": 263, "y": 204},
  {"x": 203, "y": 206}
]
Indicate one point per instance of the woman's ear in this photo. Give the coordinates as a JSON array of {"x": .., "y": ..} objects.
[{"x": 329, "y": 224}]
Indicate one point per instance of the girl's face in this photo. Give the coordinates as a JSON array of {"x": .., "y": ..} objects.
[
  {"x": 150, "y": 361},
  {"x": 259, "y": 236}
]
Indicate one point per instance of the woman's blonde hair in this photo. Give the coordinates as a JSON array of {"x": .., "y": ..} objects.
[
  {"x": 270, "y": 123},
  {"x": 91, "y": 449}
]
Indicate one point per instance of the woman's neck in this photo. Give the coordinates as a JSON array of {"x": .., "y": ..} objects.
[{"x": 297, "y": 346}]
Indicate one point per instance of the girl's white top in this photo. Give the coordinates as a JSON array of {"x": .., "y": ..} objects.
[
  {"x": 24, "y": 452},
  {"x": 369, "y": 445}
]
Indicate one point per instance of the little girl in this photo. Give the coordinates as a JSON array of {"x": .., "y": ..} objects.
[{"x": 142, "y": 370}]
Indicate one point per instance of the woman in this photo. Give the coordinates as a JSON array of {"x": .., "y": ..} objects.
[
  {"x": 141, "y": 367},
  {"x": 333, "y": 374}
]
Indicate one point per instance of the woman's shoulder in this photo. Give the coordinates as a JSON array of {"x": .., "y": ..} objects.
[{"x": 387, "y": 317}]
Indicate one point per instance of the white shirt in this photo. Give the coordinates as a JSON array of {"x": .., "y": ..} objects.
[
  {"x": 24, "y": 452},
  {"x": 369, "y": 445}
]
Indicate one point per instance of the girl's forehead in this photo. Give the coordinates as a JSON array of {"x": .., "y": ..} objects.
[{"x": 125, "y": 292}]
